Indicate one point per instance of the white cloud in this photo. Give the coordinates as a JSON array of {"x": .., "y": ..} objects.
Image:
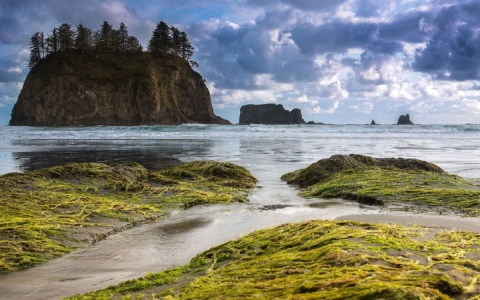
[
  {"x": 11, "y": 88},
  {"x": 319, "y": 110},
  {"x": 472, "y": 105},
  {"x": 6, "y": 101},
  {"x": 248, "y": 53},
  {"x": 228, "y": 98},
  {"x": 15, "y": 69},
  {"x": 304, "y": 99}
]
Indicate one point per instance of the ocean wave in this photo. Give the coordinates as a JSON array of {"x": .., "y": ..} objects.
[{"x": 202, "y": 131}]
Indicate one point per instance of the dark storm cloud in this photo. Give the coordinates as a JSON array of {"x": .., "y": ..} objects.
[
  {"x": 369, "y": 8},
  {"x": 92, "y": 12},
  {"x": 411, "y": 28},
  {"x": 15, "y": 16},
  {"x": 453, "y": 52},
  {"x": 307, "y": 5},
  {"x": 297, "y": 70},
  {"x": 20, "y": 19},
  {"x": 234, "y": 54},
  {"x": 238, "y": 52},
  {"x": 340, "y": 36},
  {"x": 350, "y": 62}
]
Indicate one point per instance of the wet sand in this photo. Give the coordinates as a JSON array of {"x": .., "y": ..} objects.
[
  {"x": 173, "y": 242},
  {"x": 155, "y": 247}
]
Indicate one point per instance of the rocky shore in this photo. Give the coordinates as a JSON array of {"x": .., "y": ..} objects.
[
  {"x": 49, "y": 212},
  {"x": 391, "y": 257}
]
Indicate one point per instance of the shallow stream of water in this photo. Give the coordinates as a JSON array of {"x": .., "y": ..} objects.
[{"x": 159, "y": 246}]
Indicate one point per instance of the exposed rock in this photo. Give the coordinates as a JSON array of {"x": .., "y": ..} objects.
[
  {"x": 109, "y": 89},
  {"x": 315, "y": 123},
  {"x": 271, "y": 114},
  {"x": 373, "y": 122},
  {"x": 404, "y": 120},
  {"x": 325, "y": 168},
  {"x": 297, "y": 116}
]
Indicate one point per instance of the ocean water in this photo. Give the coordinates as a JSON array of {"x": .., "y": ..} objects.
[
  {"x": 267, "y": 151},
  {"x": 456, "y": 148}
]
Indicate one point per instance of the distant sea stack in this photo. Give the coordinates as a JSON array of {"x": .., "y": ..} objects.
[
  {"x": 404, "y": 120},
  {"x": 75, "y": 88},
  {"x": 269, "y": 114}
]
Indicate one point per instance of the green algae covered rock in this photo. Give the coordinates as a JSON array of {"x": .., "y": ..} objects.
[
  {"x": 322, "y": 260},
  {"x": 405, "y": 184},
  {"x": 47, "y": 213},
  {"x": 325, "y": 168}
]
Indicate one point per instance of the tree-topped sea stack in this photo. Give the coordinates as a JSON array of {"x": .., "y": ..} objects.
[{"x": 86, "y": 77}]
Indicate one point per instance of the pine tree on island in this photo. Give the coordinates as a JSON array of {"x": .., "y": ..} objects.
[{"x": 165, "y": 40}]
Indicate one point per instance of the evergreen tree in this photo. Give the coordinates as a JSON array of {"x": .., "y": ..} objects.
[
  {"x": 161, "y": 40},
  {"x": 176, "y": 40},
  {"x": 133, "y": 45},
  {"x": 186, "y": 48},
  {"x": 66, "y": 36},
  {"x": 43, "y": 45},
  {"x": 83, "y": 41},
  {"x": 123, "y": 37},
  {"x": 97, "y": 43},
  {"x": 106, "y": 37},
  {"x": 194, "y": 63},
  {"x": 36, "y": 49},
  {"x": 52, "y": 42}
]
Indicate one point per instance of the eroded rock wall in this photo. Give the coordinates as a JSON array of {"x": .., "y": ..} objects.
[
  {"x": 106, "y": 89},
  {"x": 271, "y": 114}
]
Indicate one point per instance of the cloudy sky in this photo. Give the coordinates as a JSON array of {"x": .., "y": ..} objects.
[{"x": 343, "y": 61}]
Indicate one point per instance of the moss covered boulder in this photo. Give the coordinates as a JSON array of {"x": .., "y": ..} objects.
[
  {"x": 47, "y": 213},
  {"x": 406, "y": 184},
  {"x": 322, "y": 260}
]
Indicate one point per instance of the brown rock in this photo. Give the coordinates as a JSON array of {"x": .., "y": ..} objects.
[
  {"x": 271, "y": 114},
  {"x": 404, "y": 120},
  {"x": 111, "y": 89}
]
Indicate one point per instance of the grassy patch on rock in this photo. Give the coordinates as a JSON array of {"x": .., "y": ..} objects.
[
  {"x": 49, "y": 212},
  {"x": 410, "y": 183},
  {"x": 322, "y": 260}
]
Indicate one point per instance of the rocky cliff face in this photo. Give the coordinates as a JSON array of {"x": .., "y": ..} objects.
[
  {"x": 269, "y": 114},
  {"x": 110, "y": 89}
]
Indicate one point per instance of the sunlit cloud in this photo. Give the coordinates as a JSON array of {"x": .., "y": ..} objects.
[{"x": 339, "y": 61}]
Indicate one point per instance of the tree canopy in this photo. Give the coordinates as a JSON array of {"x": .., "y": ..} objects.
[{"x": 165, "y": 39}]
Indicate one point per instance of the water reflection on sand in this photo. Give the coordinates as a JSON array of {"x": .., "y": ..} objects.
[{"x": 154, "y": 247}]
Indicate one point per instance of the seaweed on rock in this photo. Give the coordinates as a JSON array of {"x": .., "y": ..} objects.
[
  {"x": 321, "y": 260},
  {"x": 48, "y": 212},
  {"x": 389, "y": 182}
]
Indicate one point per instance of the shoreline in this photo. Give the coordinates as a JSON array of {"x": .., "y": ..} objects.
[{"x": 373, "y": 242}]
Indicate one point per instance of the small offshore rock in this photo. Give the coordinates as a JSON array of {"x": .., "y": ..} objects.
[
  {"x": 404, "y": 120},
  {"x": 269, "y": 114}
]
